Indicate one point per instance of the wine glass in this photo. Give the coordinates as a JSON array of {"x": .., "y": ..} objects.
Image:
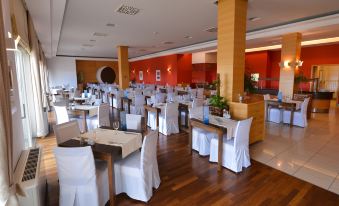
[{"x": 116, "y": 126}]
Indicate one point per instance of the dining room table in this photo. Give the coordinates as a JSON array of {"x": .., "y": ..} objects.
[
  {"x": 286, "y": 104},
  {"x": 217, "y": 125},
  {"x": 110, "y": 146},
  {"x": 85, "y": 111}
]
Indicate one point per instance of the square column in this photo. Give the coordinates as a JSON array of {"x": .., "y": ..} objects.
[{"x": 123, "y": 67}]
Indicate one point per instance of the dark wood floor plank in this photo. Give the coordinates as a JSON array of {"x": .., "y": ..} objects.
[{"x": 192, "y": 180}]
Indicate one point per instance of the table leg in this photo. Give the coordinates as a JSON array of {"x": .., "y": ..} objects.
[
  {"x": 220, "y": 145},
  {"x": 186, "y": 118},
  {"x": 146, "y": 119},
  {"x": 129, "y": 107},
  {"x": 190, "y": 138},
  {"x": 84, "y": 122},
  {"x": 112, "y": 100},
  {"x": 111, "y": 179},
  {"x": 157, "y": 119},
  {"x": 122, "y": 104},
  {"x": 292, "y": 117}
]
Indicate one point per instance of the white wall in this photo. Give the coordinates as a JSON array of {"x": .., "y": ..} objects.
[{"x": 62, "y": 70}]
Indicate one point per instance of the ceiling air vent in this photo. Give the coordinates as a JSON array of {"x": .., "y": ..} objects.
[
  {"x": 212, "y": 30},
  {"x": 129, "y": 10},
  {"x": 31, "y": 165}
]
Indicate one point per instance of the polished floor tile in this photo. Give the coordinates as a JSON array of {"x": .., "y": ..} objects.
[{"x": 311, "y": 153}]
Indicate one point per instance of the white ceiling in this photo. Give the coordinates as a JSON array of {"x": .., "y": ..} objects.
[{"x": 172, "y": 20}]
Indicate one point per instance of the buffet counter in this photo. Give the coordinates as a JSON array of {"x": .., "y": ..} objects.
[{"x": 321, "y": 101}]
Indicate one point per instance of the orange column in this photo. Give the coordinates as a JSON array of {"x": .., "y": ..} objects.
[
  {"x": 290, "y": 53},
  {"x": 232, "y": 16},
  {"x": 123, "y": 67}
]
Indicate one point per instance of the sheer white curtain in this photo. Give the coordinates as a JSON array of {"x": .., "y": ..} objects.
[{"x": 37, "y": 94}]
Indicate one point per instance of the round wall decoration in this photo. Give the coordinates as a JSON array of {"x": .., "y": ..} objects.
[{"x": 106, "y": 74}]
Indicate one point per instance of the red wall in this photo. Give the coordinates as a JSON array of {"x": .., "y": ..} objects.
[
  {"x": 204, "y": 72},
  {"x": 266, "y": 63},
  {"x": 176, "y": 68},
  {"x": 184, "y": 74},
  {"x": 315, "y": 55}
]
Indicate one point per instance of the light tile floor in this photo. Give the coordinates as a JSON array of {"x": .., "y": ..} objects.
[{"x": 311, "y": 154}]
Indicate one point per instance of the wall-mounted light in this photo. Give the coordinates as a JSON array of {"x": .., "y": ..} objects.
[
  {"x": 147, "y": 70},
  {"x": 284, "y": 64},
  {"x": 169, "y": 69},
  {"x": 133, "y": 71},
  {"x": 288, "y": 64},
  {"x": 11, "y": 43}
]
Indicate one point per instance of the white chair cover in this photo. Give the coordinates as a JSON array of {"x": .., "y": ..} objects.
[
  {"x": 151, "y": 119},
  {"x": 200, "y": 93},
  {"x": 61, "y": 114},
  {"x": 81, "y": 182},
  {"x": 138, "y": 107},
  {"x": 103, "y": 115},
  {"x": 137, "y": 174},
  {"x": 168, "y": 119},
  {"x": 299, "y": 117},
  {"x": 117, "y": 99},
  {"x": 133, "y": 121},
  {"x": 193, "y": 93},
  {"x": 66, "y": 131},
  {"x": 235, "y": 154},
  {"x": 170, "y": 97}
]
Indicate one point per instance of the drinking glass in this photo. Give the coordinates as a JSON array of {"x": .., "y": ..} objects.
[{"x": 116, "y": 126}]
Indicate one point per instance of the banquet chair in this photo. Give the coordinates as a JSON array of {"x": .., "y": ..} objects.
[
  {"x": 168, "y": 119},
  {"x": 275, "y": 114},
  {"x": 117, "y": 99},
  {"x": 200, "y": 138},
  {"x": 196, "y": 103},
  {"x": 133, "y": 121},
  {"x": 66, "y": 131},
  {"x": 138, "y": 107},
  {"x": 138, "y": 174},
  {"x": 193, "y": 93},
  {"x": 61, "y": 114},
  {"x": 235, "y": 154},
  {"x": 151, "y": 119},
  {"x": 170, "y": 97},
  {"x": 299, "y": 117},
  {"x": 200, "y": 93},
  {"x": 103, "y": 115},
  {"x": 82, "y": 180}
]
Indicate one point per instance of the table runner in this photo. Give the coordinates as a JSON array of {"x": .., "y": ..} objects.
[
  {"x": 229, "y": 124},
  {"x": 128, "y": 141}
]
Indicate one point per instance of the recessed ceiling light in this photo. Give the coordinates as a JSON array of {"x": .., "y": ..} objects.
[
  {"x": 142, "y": 50},
  {"x": 168, "y": 42},
  {"x": 155, "y": 33},
  {"x": 188, "y": 37},
  {"x": 110, "y": 25},
  {"x": 216, "y": 2},
  {"x": 100, "y": 34},
  {"x": 212, "y": 29},
  {"x": 129, "y": 10},
  {"x": 254, "y": 18},
  {"x": 92, "y": 40}
]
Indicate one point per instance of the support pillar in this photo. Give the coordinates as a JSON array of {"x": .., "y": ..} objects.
[
  {"x": 123, "y": 67},
  {"x": 290, "y": 53}
]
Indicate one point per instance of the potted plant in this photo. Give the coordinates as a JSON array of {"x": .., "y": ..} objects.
[
  {"x": 298, "y": 79},
  {"x": 217, "y": 102}
]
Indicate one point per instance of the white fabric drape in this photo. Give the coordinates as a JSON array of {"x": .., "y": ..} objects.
[
  {"x": 7, "y": 185},
  {"x": 37, "y": 93}
]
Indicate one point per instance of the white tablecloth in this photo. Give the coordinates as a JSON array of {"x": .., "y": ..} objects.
[{"x": 128, "y": 141}]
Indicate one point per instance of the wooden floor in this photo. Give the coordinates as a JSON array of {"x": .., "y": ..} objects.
[{"x": 192, "y": 180}]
